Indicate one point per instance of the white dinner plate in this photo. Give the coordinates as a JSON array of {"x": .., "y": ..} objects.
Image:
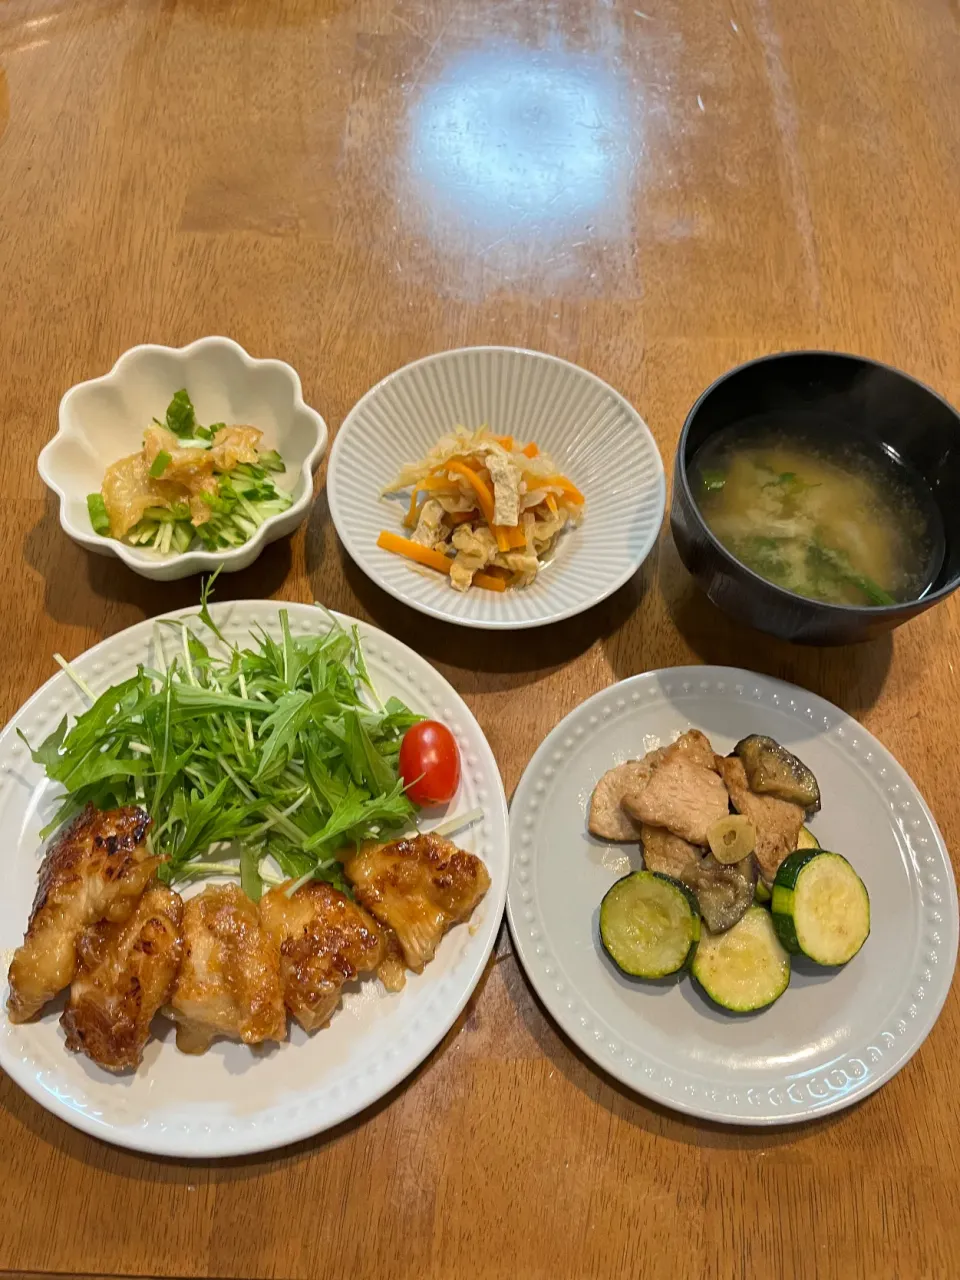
[
  {"x": 834, "y": 1035},
  {"x": 594, "y": 436},
  {"x": 233, "y": 1100}
]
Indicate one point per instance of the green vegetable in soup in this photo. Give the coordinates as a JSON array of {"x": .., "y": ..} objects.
[
  {"x": 829, "y": 566},
  {"x": 822, "y": 523}
]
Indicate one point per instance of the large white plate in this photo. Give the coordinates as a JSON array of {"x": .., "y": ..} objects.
[
  {"x": 233, "y": 1100},
  {"x": 834, "y": 1036},
  {"x": 592, "y": 433}
]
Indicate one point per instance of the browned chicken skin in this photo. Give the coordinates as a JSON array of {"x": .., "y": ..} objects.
[
  {"x": 125, "y": 973},
  {"x": 94, "y": 870},
  {"x": 229, "y": 983},
  {"x": 419, "y": 887},
  {"x": 220, "y": 965},
  {"x": 324, "y": 940}
]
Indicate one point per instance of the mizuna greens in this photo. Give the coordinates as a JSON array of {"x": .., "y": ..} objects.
[{"x": 278, "y": 753}]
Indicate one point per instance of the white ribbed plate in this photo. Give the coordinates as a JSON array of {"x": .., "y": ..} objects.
[
  {"x": 594, "y": 435},
  {"x": 233, "y": 1100},
  {"x": 834, "y": 1035}
]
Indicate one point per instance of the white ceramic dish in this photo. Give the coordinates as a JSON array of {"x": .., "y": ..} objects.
[
  {"x": 833, "y": 1036},
  {"x": 103, "y": 420},
  {"x": 232, "y": 1100},
  {"x": 594, "y": 435}
]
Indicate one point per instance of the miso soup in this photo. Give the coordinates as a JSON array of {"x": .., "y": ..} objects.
[{"x": 818, "y": 512}]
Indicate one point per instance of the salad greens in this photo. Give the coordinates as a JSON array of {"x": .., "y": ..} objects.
[{"x": 279, "y": 753}]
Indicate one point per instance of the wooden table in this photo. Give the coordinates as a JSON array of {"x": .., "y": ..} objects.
[{"x": 655, "y": 192}]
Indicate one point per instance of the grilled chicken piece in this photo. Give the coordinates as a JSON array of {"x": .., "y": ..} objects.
[
  {"x": 667, "y": 853},
  {"x": 608, "y": 820},
  {"x": 419, "y": 888},
  {"x": 95, "y": 870},
  {"x": 777, "y": 822},
  {"x": 324, "y": 940},
  {"x": 682, "y": 796},
  {"x": 692, "y": 746},
  {"x": 392, "y": 971},
  {"x": 229, "y": 980},
  {"x": 125, "y": 973}
]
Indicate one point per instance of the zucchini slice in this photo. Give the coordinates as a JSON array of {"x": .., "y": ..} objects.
[
  {"x": 761, "y": 893},
  {"x": 807, "y": 840},
  {"x": 820, "y": 907},
  {"x": 649, "y": 924},
  {"x": 746, "y": 968}
]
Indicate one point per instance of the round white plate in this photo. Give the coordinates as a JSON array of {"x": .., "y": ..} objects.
[
  {"x": 833, "y": 1036},
  {"x": 233, "y": 1100},
  {"x": 593, "y": 434}
]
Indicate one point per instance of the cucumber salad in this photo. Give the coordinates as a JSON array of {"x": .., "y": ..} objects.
[
  {"x": 734, "y": 883},
  {"x": 190, "y": 486}
]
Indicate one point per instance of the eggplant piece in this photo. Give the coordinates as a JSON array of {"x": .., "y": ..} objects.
[
  {"x": 723, "y": 892},
  {"x": 772, "y": 770}
]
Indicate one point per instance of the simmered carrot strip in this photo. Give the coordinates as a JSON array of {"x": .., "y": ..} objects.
[
  {"x": 480, "y": 489},
  {"x": 432, "y": 559},
  {"x": 436, "y": 480},
  {"x": 531, "y": 450},
  {"x": 488, "y": 582},
  {"x": 516, "y": 537},
  {"x": 461, "y": 517},
  {"x": 551, "y": 504},
  {"x": 505, "y": 442},
  {"x": 561, "y": 482},
  {"x": 410, "y": 519},
  {"x": 502, "y": 535},
  {"x": 414, "y": 551},
  {"x": 429, "y": 484}
]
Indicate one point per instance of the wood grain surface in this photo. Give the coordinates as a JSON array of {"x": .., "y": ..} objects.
[{"x": 656, "y": 189}]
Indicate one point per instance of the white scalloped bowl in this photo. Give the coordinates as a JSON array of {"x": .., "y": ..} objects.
[
  {"x": 593, "y": 434},
  {"x": 103, "y": 420}
]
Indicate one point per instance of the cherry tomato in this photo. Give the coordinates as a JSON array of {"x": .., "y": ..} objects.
[{"x": 430, "y": 763}]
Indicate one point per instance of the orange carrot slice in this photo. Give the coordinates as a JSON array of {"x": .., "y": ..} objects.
[
  {"x": 561, "y": 482},
  {"x": 479, "y": 487},
  {"x": 432, "y": 559},
  {"x": 488, "y": 582},
  {"x": 410, "y": 519},
  {"x": 530, "y": 450},
  {"x": 436, "y": 480},
  {"x": 414, "y": 551}
]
